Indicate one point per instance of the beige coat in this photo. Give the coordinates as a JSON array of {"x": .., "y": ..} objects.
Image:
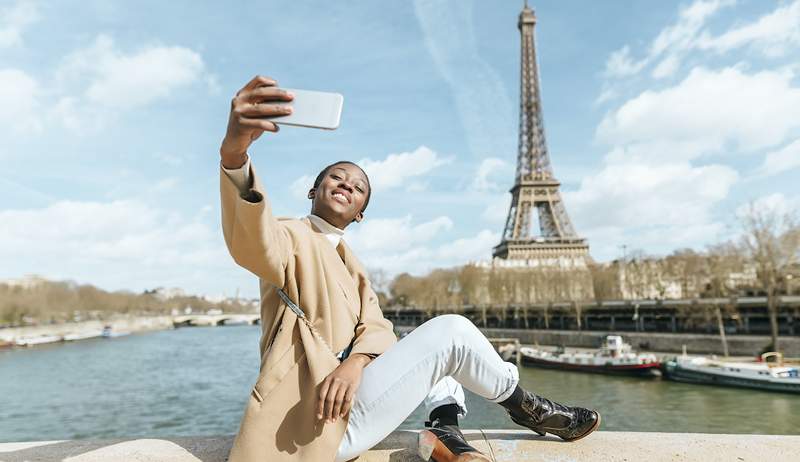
[{"x": 331, "y": 287}]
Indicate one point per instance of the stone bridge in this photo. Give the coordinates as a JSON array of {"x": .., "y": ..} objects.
[{"x": 215, "y": 319}]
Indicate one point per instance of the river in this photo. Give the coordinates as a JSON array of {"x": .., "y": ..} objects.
[{"x": 195, "y": 381}]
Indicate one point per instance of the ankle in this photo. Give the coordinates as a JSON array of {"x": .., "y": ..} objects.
[
  {"x": 515, "y": 400},
  {"x": 446, "y": 414}
]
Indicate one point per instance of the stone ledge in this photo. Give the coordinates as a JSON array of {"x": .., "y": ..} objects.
[{"x": 504, "y": 445}]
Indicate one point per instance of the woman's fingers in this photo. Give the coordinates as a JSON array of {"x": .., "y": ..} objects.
[
  {"x": 261, "y": 124},
  {"x": 338, "y": 403},
  {"x": 258, "y": 81},
  {"x": 261, "y": 94},
  {"x": 348, "y": 401},
  {"x": 330, "y": 399},
  {"x": 263, "y": 110},
  {"x": 323, "y": 393}
]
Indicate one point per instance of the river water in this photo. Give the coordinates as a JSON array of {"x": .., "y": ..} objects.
[{"x": 195, "y": 381}]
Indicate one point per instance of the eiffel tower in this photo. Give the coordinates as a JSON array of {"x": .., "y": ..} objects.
[{"x": 535, "y": 187}]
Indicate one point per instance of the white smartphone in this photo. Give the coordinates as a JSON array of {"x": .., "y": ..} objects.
[{"x": 315, "y": 109}]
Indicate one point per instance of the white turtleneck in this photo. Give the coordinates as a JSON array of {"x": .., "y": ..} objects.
[{"x": 241, "y": 178}]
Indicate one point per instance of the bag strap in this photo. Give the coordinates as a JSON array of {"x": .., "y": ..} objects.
[{"x": 302, "y": 317}]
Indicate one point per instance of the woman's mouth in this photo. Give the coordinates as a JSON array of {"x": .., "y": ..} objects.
[{"x": 337, "y": 196}]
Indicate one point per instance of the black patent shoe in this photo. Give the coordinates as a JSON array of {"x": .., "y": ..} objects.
[
  {"x": 446, "y": 443},
  {"x": 544, "y": 416}
]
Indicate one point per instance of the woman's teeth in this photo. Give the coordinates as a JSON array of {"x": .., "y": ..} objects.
[{"x": 340, "y": 197}]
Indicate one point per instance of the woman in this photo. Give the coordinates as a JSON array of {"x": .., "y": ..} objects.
[{"x": 334, "y": 382}]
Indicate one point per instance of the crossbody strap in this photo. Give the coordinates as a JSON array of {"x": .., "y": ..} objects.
[{"x": 342, "y": 355}]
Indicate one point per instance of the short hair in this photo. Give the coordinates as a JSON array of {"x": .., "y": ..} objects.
[{"x": 325, "y": 172}]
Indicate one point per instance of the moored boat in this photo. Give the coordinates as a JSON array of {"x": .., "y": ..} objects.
[
  {"x": 614, "y": 357},
  {"x": 765, "y": 375},
  {"x": 109, "y": 332}
]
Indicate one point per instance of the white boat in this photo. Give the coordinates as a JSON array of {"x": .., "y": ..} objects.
[
  {"x": 764, "y": 375},
  {"x": 83, "y": 335},
  {"x": 613, "y": 357},
  {"x": 38, "y": 340},
  {"x": 108, "y": 332}
]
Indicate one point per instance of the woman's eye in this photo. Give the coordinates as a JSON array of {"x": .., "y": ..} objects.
[
  {"x": 359, "y": 189},
  {"x": 335, "y": 177}
]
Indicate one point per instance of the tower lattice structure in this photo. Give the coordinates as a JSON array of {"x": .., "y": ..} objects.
[{"x": 536, "y": 203}]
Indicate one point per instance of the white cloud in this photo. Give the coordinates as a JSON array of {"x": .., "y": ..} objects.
[
  {"x": 776, "y": 203},
  {"x": 387, "y": 235},
  {"x": 398, "y": 245},
  {"x": 299, "y": 187},
  {"x": 645, "y": 194},
  {"x": 397, "y": 169},
  {"x": 620, "y": 63},
  {"x": 101, "y": 81},
  {"x": 18, "y": 101},
  {"x": 670, "y": 44},
  {"x": 115, "y": 244},
  {"x": 497, "y": 211},
  {"x": 478, "y": 247},
  {"x": 773, "y": 34},
  {"x": 14, "y": 20},
  {"x": 607, "y": 94},
  {"x": 124, "y": 80},
  {"x": 785, "y": 158},
  {"x": 705, "y": 112},
  {"x": 486, "y": 168}
]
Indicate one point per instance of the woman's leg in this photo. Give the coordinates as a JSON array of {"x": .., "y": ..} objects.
[{"x": 397, "y": 381}]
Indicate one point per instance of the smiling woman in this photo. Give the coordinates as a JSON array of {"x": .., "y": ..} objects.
[
  {"x": 348, "y": 185},
  {"x": 334, "y": 381}
]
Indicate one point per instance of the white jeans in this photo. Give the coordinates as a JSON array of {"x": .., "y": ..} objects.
[{"x": 430, "y": 364}]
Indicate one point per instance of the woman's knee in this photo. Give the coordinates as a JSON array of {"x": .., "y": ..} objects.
[{"x": 455, "y": 325}]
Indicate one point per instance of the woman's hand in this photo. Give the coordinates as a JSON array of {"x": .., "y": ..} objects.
[
  {"x": 337, "y": 390},
  {"x": 245, "y": 123}
]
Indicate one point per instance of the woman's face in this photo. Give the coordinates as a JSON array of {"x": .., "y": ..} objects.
[{"x": 340, "y": 196}]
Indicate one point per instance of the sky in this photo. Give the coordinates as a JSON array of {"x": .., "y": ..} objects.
[{"x": 664, "y": 120}]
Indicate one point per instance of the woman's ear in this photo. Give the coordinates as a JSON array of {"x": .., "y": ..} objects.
[
  {"x": 311, "y": 193},
  {"x": 359, "y": 217}
]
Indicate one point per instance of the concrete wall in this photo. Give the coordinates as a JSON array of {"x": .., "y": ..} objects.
[
  {"x": 738, "y": 345},
  {"x": 400, "y": 446}
]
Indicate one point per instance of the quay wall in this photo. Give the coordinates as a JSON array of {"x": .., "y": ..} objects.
[
  {"x": 122, "y": 324},
  {"x": 400, "y": 446},
  {"x": 738, "y": 345}
]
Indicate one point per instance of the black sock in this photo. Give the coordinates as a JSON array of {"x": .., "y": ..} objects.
[
  {"x": 515, "y": 400},
  {"x": 446, "y": 414}
]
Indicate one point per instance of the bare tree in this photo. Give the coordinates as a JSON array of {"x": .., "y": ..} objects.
[{"x": 772, "y": 241}]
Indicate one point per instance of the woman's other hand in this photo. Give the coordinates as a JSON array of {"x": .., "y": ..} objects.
[{"x": 338, "y": 389}]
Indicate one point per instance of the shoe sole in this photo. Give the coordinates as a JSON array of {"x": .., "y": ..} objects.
[
  {"x": 430, "y": 448},
  {"x": 594, "y": 427}
]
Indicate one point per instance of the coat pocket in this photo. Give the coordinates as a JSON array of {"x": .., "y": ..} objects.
[{"x": 274, "y": 373}]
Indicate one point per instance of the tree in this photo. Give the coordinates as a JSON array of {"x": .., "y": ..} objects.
[{"x": 772, "y": 241}]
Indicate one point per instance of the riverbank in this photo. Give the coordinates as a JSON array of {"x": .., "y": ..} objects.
[
  {"x": 400, "y": 446},
  {"x": 86, "y": 329}
]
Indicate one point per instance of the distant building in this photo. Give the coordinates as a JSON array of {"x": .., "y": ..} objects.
[
  {"x": 26, "y": 282},
  {"x": 163, "y": 293}
]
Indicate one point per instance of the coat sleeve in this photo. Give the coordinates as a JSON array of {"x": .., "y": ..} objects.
[
  {"x": 255, "y": 239},
  {"x": 374, "y": 333}
]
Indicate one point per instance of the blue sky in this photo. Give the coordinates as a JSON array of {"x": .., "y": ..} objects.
[{"x": 663, "y": 121}]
